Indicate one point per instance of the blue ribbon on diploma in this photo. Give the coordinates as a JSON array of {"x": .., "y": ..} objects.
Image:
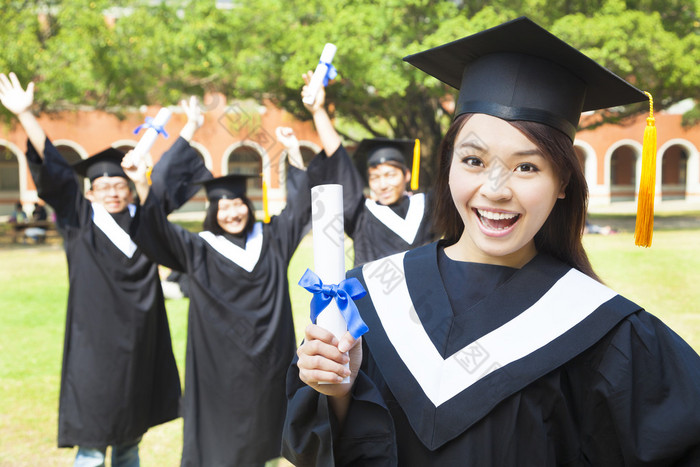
[
  {"x": 331, "y": 73},
  {"x": 149, "y": 124},
  {"x": 344, "y": 294}
]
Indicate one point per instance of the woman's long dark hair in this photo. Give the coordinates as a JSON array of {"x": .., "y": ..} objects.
[
  {"x": 211, "y": 224},
  {"x": 561, "y": 234}
]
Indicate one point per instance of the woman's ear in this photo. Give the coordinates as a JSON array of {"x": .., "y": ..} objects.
[{"x": 562, "y": 190}]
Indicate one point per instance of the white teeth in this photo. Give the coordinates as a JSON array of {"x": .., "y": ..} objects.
[{"x": 497, "y": 216}]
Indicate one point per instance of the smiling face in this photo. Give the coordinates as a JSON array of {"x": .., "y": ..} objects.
[
  {"x": 113, "y": 193},
  {"x": 232, "y": 215},
  {"x": 503, "y": 188},
  {"x": 387, "y": 182}
]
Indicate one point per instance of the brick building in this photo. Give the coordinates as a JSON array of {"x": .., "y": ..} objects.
[{"x": 240, "y": 138}]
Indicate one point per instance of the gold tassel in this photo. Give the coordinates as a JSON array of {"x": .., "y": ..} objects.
[
  {"x": 265, "y": 208},
  {"x": 644, "y": 228},
  {"x": 416, "y": 166},
  {"x": 149, "y": 171}
]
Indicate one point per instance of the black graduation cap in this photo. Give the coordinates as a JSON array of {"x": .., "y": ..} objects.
[
  {"x": 230, "y": 186},
  {"x": 519, "y": 71},
  {"x": 107, "y": 163},
  {"x": 375, "y": 151}
]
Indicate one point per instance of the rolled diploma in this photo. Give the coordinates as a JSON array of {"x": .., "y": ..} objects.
[
  {"x": 146, "y": 142},
  {"x": 329, "y": 250},
  {"x": 320, "y": 73}
]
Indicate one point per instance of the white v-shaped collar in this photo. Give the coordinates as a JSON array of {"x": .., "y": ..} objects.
[
  {"x": 106, "y": 223},
  {"x": 441, "y": 379},
  {"x": 248, "y": 258},
  {"x": 405, "y": 228}
]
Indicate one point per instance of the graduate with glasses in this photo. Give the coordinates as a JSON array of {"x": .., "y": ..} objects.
[
  {"x": 119, "y": 376},
  {"x": 499, "y": 345}
]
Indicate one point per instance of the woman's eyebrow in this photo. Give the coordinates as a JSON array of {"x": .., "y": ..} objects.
[
  {"x": 473, "y": 145},
  {"x": 529, "y": 152}
]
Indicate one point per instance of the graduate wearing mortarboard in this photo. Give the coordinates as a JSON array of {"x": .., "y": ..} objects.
[
  {"x": 498, "y": 345},
  {"x": 240, "y": 336},
  {"x": 392, "y": 219},
  {"x": 119, "y": 375}
]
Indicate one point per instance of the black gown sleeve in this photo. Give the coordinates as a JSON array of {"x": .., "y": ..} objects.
[
  {"x": 645, "y": 404},
  {"x": 163, "y": 242},
  {"x": 174, "y": 173},
  {"x": 56, "y": 184},
  {"x": 290, "y": 225},
  {"x": 312, "y": 436},
  {"x": 339, "y": 169}
]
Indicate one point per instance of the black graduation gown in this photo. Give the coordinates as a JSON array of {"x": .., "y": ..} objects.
[
  {"x": 377, "y": 231},
  {"x": 119, "y": 375},
  {"x": 570, "y": 374},
  {"x": 240, "y": 334}
]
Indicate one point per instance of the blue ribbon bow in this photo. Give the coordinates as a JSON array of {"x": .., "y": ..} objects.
[
  {"x": 344, "y": 294},
  {"x": 331, "y": 73},
  {"x": 149, "y": 124}
]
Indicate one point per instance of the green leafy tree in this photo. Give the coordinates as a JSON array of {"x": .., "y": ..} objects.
[{"x": 116, "y": 54}]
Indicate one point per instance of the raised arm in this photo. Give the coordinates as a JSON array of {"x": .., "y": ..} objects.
[
  {"x": 19, "y": 101},
  {"x": 195, "y": 119},
  {"x": 330, "y": 139},
  {"x": 137, "y": 170},
  {"x": 289, "y": 140}
]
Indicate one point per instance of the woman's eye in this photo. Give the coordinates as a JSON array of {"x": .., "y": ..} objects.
[
  {"x": 526, "y": 167},
  {"x": 472, "y": 161}
]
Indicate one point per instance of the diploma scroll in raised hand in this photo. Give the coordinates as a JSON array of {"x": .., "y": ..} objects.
[
  {"x": 324, "y": 71},
  {"x": 154, "y": 127}
]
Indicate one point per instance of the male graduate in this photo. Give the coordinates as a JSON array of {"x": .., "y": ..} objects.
[
  {"x": 119, "y": 375},
  {"x": 392, "y": 219}
]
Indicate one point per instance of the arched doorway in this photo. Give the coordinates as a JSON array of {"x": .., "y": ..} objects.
[
  {"x": 72, "y": 155},
  {"x": 246, "y": 160},
  {"x": 674, "y": 171},
  {"x": 10, "y": 192},
  {"x": 623, "y": 174}
]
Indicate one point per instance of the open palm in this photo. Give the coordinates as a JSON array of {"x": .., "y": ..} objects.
[{"x": 12, "y": 96}]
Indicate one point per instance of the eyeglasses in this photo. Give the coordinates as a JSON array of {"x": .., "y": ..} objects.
[{"x": 105, "y": 187}]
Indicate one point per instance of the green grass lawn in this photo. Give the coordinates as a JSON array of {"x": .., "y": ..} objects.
[{"x": 33, "y": 290}]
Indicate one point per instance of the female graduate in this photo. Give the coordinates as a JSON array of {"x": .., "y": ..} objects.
[
  {"x": 498, "y": 346},
  {"x": 240, "y": 337}
]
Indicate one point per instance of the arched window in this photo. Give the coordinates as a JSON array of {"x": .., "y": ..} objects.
[
  {"x": 9, "y": 180},
  {"x": 674, "y": 168},
  {"x": 622, "y": 174},
  {"x": 245, "y": 160}
]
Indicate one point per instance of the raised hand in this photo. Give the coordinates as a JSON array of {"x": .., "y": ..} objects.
[
  {"x": 320, "y": 101},
  {"x": 193, "y": 111},
  {"x": 13, "y": 96},
  {"x": 195, "y": 119},
  {"x": 286, "y": 136},
  {"x": 135, "y": 168}
]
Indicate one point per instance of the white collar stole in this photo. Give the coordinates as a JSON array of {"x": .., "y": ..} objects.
[
  {"x": 246, "y": 258},
  {"x": 106, "y": 223},
  {"x": 442, "y": 379},
  {"x": 406, "y": 228}
]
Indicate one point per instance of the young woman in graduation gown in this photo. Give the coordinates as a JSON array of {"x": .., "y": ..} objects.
[
  {"x": 393, "y": 220},
  {"x": 499, "y": 346},
  {"x": 119, "y": 375},
  {"x": 240, "y": 337}
]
